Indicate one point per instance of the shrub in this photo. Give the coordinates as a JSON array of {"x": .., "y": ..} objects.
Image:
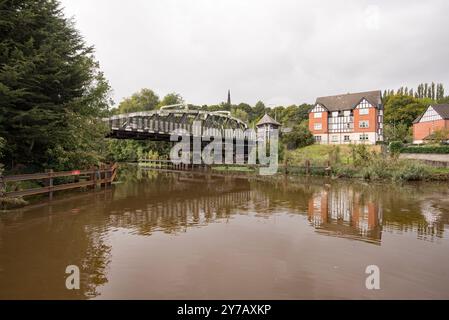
[
  {"x": 426, "y": 149},
  {"x": 411, "y": 171},
  {"x": 395, "y": 147},
  {"x": 344, "y": 172},
  {"x": 360, "y": 154}
]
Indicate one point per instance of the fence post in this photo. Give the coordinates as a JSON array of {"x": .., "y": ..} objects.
[
  {"x": 307, "y": 167},
  {"x": 107, "y": 176},
  {"x": 95, "y": 177},
  {"x": 50, "y": 184},
  {"x": 2, "y": 186}
]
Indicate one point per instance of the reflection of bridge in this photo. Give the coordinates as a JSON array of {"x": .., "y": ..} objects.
[{"x": 158, "y": 125}]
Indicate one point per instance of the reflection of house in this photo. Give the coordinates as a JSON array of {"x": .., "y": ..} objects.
[
  {"x": 343, "y": 213},
  {"x": 265, "y": 127},
  {"x": 348, "y": 118},
  {"x": 435, "y": 118}
]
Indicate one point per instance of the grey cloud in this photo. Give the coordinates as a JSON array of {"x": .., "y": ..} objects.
[{"x": 281, "y": 52}]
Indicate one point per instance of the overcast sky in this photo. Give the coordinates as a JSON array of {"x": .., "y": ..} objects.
[{"x": 281, "y": 52}]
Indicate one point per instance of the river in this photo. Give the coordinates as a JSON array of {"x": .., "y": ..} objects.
[{"x": 160, "y": 235}]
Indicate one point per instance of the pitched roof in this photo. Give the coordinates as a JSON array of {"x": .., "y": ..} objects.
[
  {"x": 266, "y": 119},
  {"x": 350, "y": 100},
  {"x": 441, "y": 109}
]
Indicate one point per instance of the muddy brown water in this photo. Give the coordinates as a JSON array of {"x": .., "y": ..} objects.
[{"x": 176, "y": 236}]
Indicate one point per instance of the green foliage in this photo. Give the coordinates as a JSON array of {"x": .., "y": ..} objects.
[
  {"x": 171, "y": 99},
  {"x": 144, "y": 100},
  {"x": 383, "y": 168},
  {"x": 131, "y": 150},
  {"x": 344, "y": 171},
  {"x": 398, "y": 132},
  {"x": 426, "y": 149},
  {"x": 51, "y": 88},
  {"x": 395, "y": 147},
  {"x": 240, "y": 114},
  {"x": 299, "y": 137},
  {"x": 2, "y": 146},
  {"x": 335, "y": 155},
  {"x": 402, "y": 109},
  {"x": 411, "y": 171},
  {"x": 360, "y": 155}
]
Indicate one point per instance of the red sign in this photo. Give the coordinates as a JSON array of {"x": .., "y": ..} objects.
[{"x": 76, "y": 173}]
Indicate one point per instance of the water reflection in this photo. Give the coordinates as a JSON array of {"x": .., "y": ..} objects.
[
  {"x": 345, "y": 212},
  {"x": 96, "y": 231}
]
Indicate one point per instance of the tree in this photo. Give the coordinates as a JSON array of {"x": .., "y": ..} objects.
[
  {"x": 239, "y": 114},
  {"x": 440, "y": 92},
  {"x": 404, "y": 109},
  {"x": 432, "y": 91},
  {"x": 171, "y": 99},
  {"x": 52, "y": 92},
  {"x": 398, "y": 132},
  {"x": 144, "y": 100},
  {"x": 299, "y": 137}
]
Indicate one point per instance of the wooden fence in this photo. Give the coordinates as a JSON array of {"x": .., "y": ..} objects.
[{"x": 104, "y": 176}]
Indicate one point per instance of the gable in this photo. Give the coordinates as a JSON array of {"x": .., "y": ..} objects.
[
  {"x": 318, "y": 108},
  {"x": 364, "y": 104},
  {"x": 430, "y": 115}
]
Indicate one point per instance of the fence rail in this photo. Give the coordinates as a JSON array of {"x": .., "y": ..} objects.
[{"x": 103, "y": 176}]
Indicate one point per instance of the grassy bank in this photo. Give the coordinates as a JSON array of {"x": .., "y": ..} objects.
[{"x": 363, "y": 162}]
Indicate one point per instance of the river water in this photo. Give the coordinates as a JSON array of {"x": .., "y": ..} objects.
[{"x": 181, "y": 236}]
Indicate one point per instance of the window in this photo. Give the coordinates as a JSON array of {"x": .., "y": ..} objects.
[
  {"x": 318, "y": 115},
  {"x": 363, "y": 112},
  {"x": 317, "y": 126},
  {"x": 318, "y": 138},
  {"x": 334, "y": 138},
  {"x": 347, "y": 138},
  {"x": 364, "y": 137},
  {"x": 364, "y": 124},
  {"x": 335, "y": 114},
  {"x": 347, "y": 113}
]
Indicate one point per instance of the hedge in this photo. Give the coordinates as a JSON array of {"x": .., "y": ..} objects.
[{"x": 426, "y": 149}]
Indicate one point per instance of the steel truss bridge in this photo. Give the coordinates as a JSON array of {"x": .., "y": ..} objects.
[
  {"x": 181, "y": 121},
  {"x": 159, "y": 125}
]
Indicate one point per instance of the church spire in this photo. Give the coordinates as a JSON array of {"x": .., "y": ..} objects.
[{"x": 229, "y": 97}]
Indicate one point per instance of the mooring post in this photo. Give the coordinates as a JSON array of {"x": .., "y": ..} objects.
[{"x": 307, "y": 167}]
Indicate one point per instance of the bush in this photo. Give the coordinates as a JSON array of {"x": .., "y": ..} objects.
[
  {"x": 344, "y": 172},
  {"x": 411, "y": 171},
  {"x": 360, "y": 154},
  {"x": 395, "y": 147},
  {"x": 426, "y": 149}
]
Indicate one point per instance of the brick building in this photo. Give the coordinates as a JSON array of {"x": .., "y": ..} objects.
[
  {"x": 435, "y": 118},
  {"x": 348, "y": 118}
]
